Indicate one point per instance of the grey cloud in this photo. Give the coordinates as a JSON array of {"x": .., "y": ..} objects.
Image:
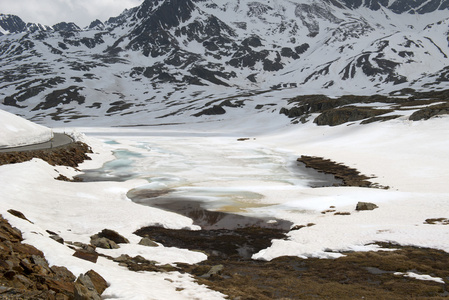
[{"x": 50, "y": 12}]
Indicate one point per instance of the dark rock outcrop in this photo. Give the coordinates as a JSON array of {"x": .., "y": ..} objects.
[
  {"x": 429, "y": 112},
  {"x": 214, "y": 110},
  {"x": 347, "y": 114}
]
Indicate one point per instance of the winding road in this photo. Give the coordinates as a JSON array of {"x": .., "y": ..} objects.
[{"x": 58, "y": 140}]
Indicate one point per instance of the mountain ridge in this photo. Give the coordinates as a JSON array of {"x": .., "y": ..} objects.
[{"x": 164, "y": 55}]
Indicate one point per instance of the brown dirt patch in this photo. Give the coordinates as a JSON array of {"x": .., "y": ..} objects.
[
  {"x": 358, "y": 275},
  {"x": 70, "y": 155}
]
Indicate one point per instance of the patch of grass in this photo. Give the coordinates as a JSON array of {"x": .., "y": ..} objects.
[{"x": 348, "y": 277}]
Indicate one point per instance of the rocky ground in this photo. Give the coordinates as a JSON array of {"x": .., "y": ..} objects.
[{"x": 26, "y": 274}]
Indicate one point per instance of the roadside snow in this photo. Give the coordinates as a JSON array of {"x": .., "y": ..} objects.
[{"x": 16, "y": 131}]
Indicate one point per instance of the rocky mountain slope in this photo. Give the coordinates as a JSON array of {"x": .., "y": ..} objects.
[
  {"x": 26, "y": 273},
  {"x": 191, "y": 60}
]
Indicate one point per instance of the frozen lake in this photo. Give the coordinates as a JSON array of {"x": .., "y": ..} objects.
[
  {"x": 254, "y": 173},
  {"x": 220, "y": 174}
]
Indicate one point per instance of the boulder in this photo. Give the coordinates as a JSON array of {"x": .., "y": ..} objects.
[
  {"x": 86, "y": 255},
  {"x": 112, "y": 235},
  {"x": 104, "y": 243},
  {"x": 366, "y": 206},
  {"x": 98, "y": 281},
  {"x": 147, "y": 242}
]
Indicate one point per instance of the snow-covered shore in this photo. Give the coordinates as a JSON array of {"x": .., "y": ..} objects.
[{"x": 410, "y": 157}]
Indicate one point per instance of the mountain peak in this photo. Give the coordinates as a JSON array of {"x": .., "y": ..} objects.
[
  {"x": 11, "y": 24},
  {"x": 97, "y": 24},
  {"x": 68, "y": 27}
]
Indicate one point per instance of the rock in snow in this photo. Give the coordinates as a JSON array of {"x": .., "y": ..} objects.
[{"x": 366, "y": 206}]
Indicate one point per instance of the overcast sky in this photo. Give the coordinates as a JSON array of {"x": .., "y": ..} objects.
[{"x": 50, "y": 12}]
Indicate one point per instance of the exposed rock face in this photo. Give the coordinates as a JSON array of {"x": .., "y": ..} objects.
[{"x": 26, "y": 274}]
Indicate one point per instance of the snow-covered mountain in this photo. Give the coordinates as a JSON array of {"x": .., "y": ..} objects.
[{"x": 168, "y": 60}]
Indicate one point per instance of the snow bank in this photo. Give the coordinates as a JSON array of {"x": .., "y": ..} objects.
[{"x": 16, "y": 131}]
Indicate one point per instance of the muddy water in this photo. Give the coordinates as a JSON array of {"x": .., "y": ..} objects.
[{"x": 197, "y": 211}]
